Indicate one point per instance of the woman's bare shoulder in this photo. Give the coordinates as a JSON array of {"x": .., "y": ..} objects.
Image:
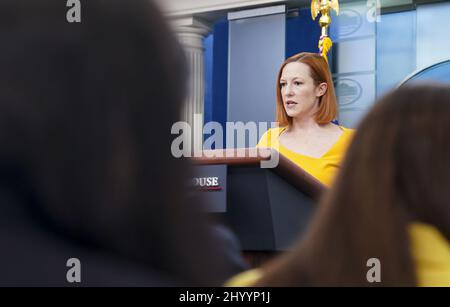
[{"x": 332, "y": 128}]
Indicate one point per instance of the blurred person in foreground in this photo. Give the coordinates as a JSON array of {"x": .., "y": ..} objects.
[
  {"x": 86, "y": 170},
  {"x": 391, "y": 201}
]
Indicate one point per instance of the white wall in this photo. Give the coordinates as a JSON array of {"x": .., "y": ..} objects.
[{"x": 433, "y": 24}]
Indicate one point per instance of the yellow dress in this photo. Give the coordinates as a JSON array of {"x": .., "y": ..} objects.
[
  {"x": 324, "y": 168},
  {"x": 430, "y": 252}
]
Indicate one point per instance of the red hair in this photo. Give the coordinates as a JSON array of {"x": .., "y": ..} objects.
[{"x": 320, "y": 74}]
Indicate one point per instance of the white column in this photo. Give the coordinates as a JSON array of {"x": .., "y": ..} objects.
[{"x": 191, "y": 32}]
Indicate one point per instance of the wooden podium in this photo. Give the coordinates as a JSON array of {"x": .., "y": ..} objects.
[{"x": 267, "y": 208}]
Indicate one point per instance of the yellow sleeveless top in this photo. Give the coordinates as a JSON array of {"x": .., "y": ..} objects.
[
  {"x": 430, "y": 252},
  {"x": 324, "y": 168}
]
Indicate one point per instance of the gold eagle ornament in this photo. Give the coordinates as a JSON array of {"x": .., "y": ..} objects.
[{"x": 324, "y": 7}]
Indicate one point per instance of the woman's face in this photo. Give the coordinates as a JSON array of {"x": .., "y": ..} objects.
[{"x": 299, "y": 92}]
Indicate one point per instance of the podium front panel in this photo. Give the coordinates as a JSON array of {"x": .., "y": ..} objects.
[{"x": 266, "y": 212}]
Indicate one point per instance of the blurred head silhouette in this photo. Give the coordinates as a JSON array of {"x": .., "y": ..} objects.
[{"x": 85, "y": 164}]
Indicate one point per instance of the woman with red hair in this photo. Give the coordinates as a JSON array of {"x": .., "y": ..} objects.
[{"x": 306, "y": 107}]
